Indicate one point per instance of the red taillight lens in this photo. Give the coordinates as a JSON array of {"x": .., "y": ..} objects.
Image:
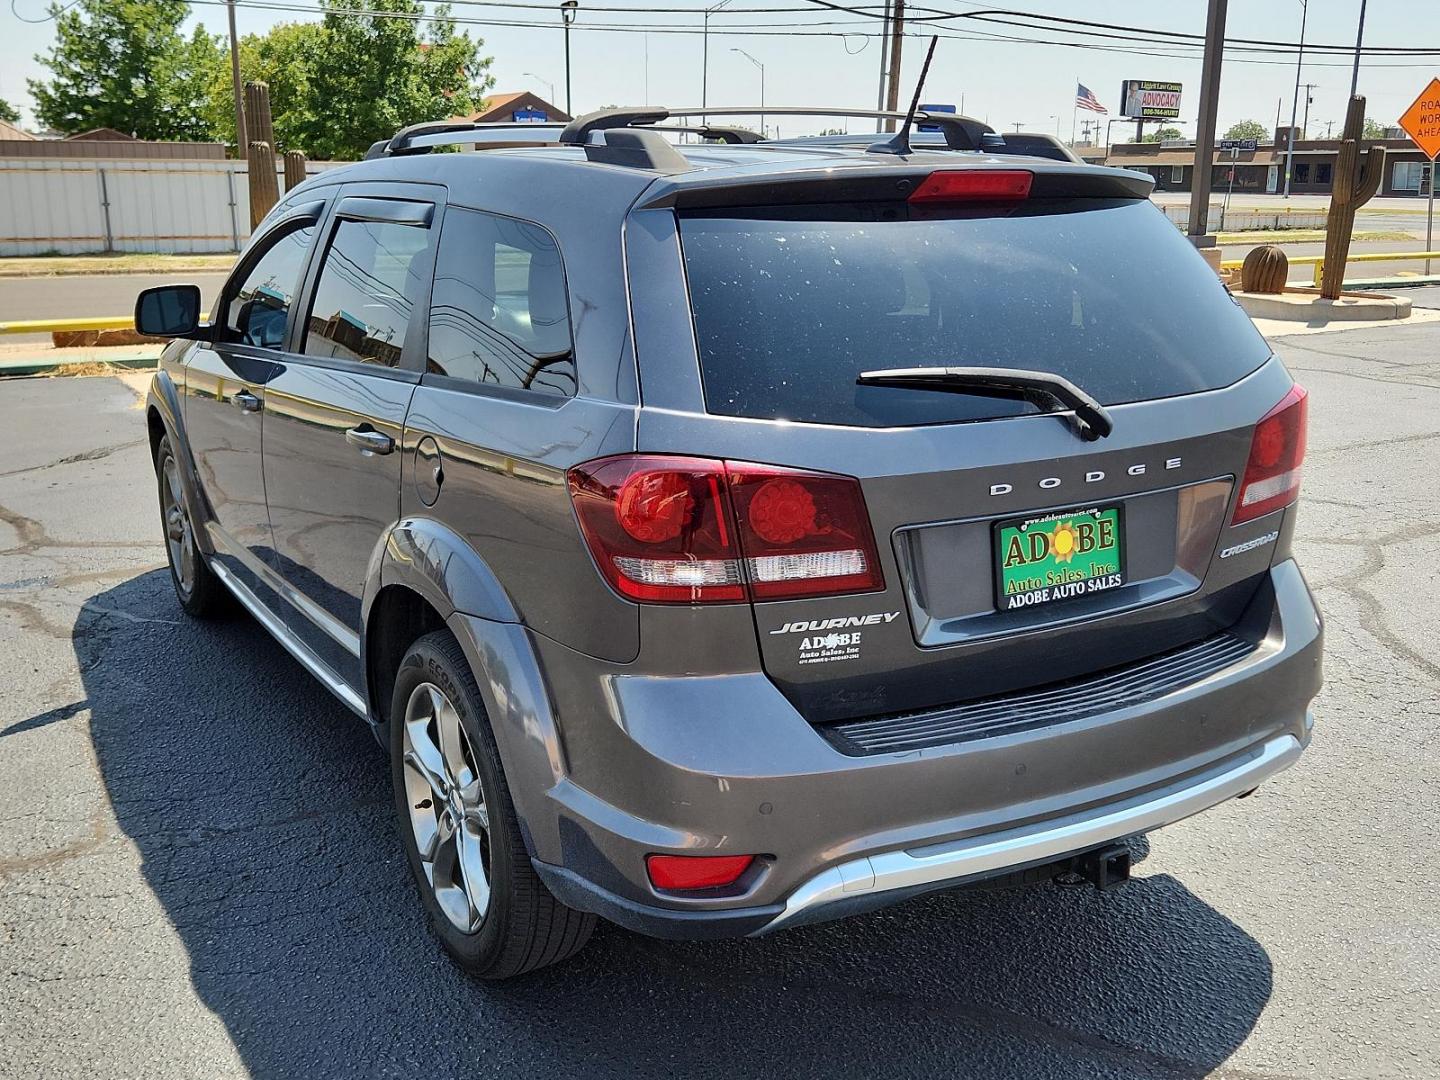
[
  {"x": 1272, "y": 475},
  {"x": 682, "y": 872},
  {"x": 692, "y": 530},
  {"x": 973, "y": 185},
  {"x": 804, "y": 534},
  {"x": 659, "y": 527}
]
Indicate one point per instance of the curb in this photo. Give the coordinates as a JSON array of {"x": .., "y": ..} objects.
[
  {"x": 114, "y": 272},
  {"x": 11, "y": 367},
  {"x": 1305, "y": 307}
]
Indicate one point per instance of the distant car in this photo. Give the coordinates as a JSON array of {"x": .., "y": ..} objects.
[{"x": 722, "y": 538}]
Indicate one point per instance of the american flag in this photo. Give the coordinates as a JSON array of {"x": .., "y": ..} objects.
[{"x": 1085, "y": 99}]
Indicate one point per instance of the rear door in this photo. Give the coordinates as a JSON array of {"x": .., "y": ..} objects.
[
  {"x": 226, "y": 384},
  {"x": 1109, "y": 543},
  {"x": 335, "y": 410}
]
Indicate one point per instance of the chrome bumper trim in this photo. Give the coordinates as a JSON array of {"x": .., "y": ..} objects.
[{"x": 991, "y": 852}]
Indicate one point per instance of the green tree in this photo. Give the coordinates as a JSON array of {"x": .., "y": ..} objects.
[
  {"x": 284, "y": 60},
  {"x": 1164, "y": 134},
  {"x": 8, "y": 112},
  {"x": 1372, "y": 129},
  {"x": 124, "y": 64},
  {"x": 338, "y": 85},
  {"x": 1247, "y": 129},
  {"x": 375, "y": 75}
]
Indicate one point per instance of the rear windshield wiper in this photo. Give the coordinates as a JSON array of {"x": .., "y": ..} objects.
[{"x": 1040, "y": 388}]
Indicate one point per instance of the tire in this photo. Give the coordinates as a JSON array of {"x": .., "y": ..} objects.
[
  {"x": 445, "y": 769},
  {"x": 196, "y": 586}
]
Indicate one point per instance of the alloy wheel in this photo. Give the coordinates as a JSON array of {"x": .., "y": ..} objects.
[
  {"x": 447, "y": 810},
  {"x": 179, "y": 535}
]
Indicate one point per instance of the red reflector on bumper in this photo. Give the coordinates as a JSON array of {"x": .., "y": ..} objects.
[{"x": 680, "y": 872}]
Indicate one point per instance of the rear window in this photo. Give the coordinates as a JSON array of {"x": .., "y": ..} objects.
[{"x": 790, "y": 306}]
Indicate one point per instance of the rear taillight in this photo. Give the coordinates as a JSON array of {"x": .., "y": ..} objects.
[
  {"x": 693, "y": 530},
  {"x": 973, "y": 185},
  {"x": 1272, "y": 475}
]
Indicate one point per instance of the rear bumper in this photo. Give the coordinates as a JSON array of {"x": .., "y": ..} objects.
[
  {"x": 723, "y": 765},
  {"x": 848, "y": 886}
]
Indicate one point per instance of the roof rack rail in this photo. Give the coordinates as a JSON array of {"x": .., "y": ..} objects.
[
  {"x": 404, "y": 141},
  {"x": 961, "y": 132}
]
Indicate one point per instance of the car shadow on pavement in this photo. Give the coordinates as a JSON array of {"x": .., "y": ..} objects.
[{"x": 261, "y": 809}]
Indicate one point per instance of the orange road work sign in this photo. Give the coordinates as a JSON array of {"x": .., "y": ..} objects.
[{"x": 1422, "y": 120}]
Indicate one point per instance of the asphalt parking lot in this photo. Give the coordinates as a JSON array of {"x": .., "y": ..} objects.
[{"x": 199, "y": 875}]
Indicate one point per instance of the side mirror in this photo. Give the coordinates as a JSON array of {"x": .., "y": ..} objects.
[{"x": 168, "y": 311}]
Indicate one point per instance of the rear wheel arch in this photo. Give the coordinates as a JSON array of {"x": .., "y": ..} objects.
[{"x": 398, "y": 616}]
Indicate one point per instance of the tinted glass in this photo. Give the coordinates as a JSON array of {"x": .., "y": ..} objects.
[
  {"x": 363, "y": 301},
  {"x": 498, "y": 312},
  {"x": 256, "y": 315},
  {"x": 1106, "y": 293}
]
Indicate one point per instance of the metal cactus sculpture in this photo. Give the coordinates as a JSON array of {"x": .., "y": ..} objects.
[
  {"x": 1265, "y": 270},
  {"x": 1356, "y": 181},
  {"x": 264, "y": 186},
  {"x": 294, "y": 169}
]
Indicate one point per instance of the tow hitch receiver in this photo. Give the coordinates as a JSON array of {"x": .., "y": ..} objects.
[{"x": 1106, "y": 867}]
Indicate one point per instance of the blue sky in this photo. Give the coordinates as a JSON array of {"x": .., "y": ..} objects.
[{"x": 1004, "y": 82}]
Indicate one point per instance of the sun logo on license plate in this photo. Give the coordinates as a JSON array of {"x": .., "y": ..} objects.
[{"x": 1062, "y": 542}]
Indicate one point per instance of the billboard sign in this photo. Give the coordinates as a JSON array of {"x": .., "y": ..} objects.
[
  {"x": 1239, "y": 144},
  {"x": 1141, "y": 99},
  {"x": 529, "y": 116}
]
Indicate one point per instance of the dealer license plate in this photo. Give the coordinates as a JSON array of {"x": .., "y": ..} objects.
[{"x": 1056, "y": 557}]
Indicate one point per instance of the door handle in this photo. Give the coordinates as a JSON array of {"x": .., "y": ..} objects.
[
  {"x": 245, "y": 401},
  {"x": 368, "y": 439}
]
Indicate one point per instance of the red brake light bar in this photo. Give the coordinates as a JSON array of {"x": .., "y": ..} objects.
[
  {"x": 683, "y": 530},
  {"x": 678, "y": 873},
  {"x": 973, "y": 185}
]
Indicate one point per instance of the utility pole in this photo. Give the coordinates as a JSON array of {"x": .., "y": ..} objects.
[
  {"x": 884, "y": 66},
  {"x": 240, "y": 141},
  {"x": 568, "y": 10},
  {"x": 1359, "y": 37},
  {"x": 1309, "y": 97},
  {"x": 897, "y": 41},
  {"x": 1205, "y": 125},
  {"x": 1295, "y": 101},
  {"x": 705, "y": 54}
]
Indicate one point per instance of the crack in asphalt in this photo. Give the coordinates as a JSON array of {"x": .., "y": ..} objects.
[{"x": 73, "y": 459}]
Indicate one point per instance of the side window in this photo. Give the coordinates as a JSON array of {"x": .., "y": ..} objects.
[
  {"x": 366, "y": 291},
  {"x": 258, "y": 309},
  {"x": 499, "y": 313}
]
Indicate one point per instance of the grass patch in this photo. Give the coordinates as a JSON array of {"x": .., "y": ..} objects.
[
  {"x": 83, "y": 369},
  {"x": 1304, "y": 236},
  {"x": 54, "y": 265}
]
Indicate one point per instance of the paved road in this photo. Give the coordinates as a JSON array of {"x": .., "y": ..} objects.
[
  {"x": 1389, "y": 212},
  {"x": 74, "y": 296},
  {"x": 199, "y": 875}
]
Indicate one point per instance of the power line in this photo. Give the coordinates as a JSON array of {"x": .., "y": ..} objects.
[{"x": 796, "y": 29}]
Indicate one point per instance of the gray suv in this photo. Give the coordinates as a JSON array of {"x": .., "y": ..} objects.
[{"x": 727, "y": 535}]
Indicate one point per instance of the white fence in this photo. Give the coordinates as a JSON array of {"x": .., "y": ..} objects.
[{"x": 94, "y": 205}]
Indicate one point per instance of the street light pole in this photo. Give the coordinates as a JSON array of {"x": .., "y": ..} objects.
[
  {"x": 568, "y": 10},
  {"x": 1295, "y": 101},
  {"x": 537, "y": 78},
  {"x": 761, "y": 66}
]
